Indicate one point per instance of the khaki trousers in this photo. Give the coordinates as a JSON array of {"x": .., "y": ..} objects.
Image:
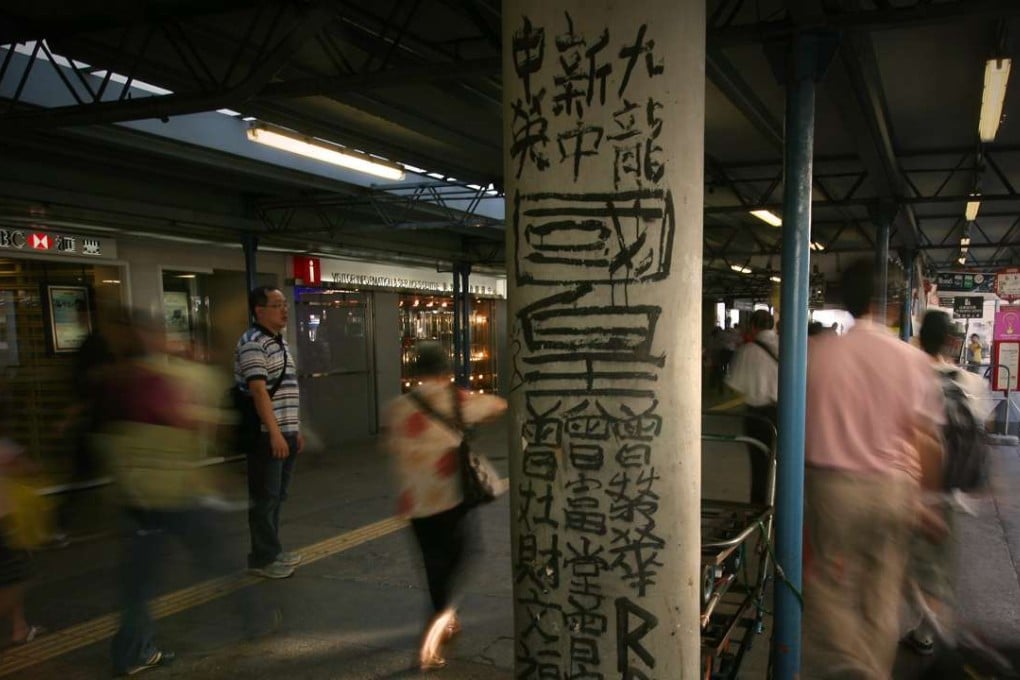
[{"x": 858, "y": 528}]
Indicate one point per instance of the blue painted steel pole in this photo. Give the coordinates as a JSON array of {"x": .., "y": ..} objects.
[
  {"x": 793, "y": 310},
  {"x": 458, "y": 339},
  {"x": 250, "y": 244},
  {"x": 882, "y": 266},
  {"x": 906, "y": 330},
  {"x": 465, "y": 321}
]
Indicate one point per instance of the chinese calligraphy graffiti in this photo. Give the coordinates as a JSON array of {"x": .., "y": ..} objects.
[{"x": 592, "y": 223}]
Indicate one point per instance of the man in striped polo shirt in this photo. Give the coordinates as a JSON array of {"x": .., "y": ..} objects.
[{"x": 264, "y": 370}]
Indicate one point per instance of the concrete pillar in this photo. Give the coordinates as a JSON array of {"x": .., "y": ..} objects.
[{"x": 603, "y": 132}]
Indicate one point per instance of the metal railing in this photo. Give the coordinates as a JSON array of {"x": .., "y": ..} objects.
[{"x": 985, "y": 370}]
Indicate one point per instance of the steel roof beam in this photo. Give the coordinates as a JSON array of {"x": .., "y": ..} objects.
[
  {"x": 921, "y": 13},
  {"x": 725, "y": 76},
  {"x": 15, "y": 29}
]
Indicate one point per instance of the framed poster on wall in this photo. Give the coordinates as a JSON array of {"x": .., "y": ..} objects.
[
  {"x": 177, "y": 317},
  {"x": 69, "y": 313}
]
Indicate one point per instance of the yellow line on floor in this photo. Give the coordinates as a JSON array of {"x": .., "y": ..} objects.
[
  {"x": 75, "y": 637},
  {"x": 728, "y": 405}
]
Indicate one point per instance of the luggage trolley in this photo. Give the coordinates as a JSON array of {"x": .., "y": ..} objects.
[{"x": 736, "y": 566}]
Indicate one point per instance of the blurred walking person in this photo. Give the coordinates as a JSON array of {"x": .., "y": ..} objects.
[
  {"x": 423, "y": 434},
  {"x": 873, "y": 409},
  {"x": 266, "y": 378},
  {"x": 754, "y": 373},
  {"x": 933, "y": 562},
  {"x": 15, "y": 560},
  {"x": 152, "y": 436}
]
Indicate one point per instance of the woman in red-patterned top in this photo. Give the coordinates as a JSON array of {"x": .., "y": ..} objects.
[{"x": 425, "y": 453}]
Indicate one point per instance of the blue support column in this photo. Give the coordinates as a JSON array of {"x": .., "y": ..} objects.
[
  {"x": 250, "y": 244},
  {"x": 461, "y": 324},
  {"x": 465, "y": 324},
  {"x": 882, "y": 267},
  {"x": 458, "y": 338},
  {"x": 906, "y": 330},
  {"x": 805, "y": 62}
]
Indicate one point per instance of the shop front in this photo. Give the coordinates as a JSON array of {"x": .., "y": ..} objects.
[
  {"x": 358, "y": 328},
  {"x": 53, "y": 287}
]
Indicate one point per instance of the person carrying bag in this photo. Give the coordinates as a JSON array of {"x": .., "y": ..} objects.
[{"x": 427, "y": 436}]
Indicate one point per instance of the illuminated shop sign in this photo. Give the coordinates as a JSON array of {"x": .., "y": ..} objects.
[
  {"x": 370, "y": 275},
  {"x": 26, "y": 240}
]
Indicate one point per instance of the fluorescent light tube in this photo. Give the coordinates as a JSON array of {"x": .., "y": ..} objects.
[
  {"x": 972, "y": 210},
  {"x": 816, "y": 245},
  {"x": 323, "y": 153},
  {"x": 768, "y": 217},
  {"x": 996, "y": 77},
  {"x": 740, "y": 269},
  {"x": 775, "y": 279}
]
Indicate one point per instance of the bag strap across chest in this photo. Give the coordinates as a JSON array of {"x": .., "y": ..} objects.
[{"x": 454, "y": 424}]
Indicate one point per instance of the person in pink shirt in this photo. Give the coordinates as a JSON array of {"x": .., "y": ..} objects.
[{"x": 873, "y": 408}]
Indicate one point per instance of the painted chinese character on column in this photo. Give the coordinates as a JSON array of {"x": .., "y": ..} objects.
[{"x": 592, "y": 223}]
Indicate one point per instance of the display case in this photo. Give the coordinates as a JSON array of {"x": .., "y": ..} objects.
[{"x": 425, "y": 318}]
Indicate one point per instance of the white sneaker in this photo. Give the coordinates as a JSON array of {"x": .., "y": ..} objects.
[
  {"x": 289, "y": 559},
  {"x": 274, "y": 570}
]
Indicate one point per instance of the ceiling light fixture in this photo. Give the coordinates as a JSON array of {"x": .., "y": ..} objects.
[
  {"x": 775, "y": 279},
  {"x": 816, "y": 245},
  {"x": 973, "y": 206},
  {"x": 740, "y": 269},
  {"x": 963, "y": 259},
  {"x": 965, "y": 241},
  {"x": 996, "y": 78},
  {"x": 327, "y": 153},
  {"x": 768, "y": 217}
]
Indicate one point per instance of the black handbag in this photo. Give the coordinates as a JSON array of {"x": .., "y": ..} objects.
[{"x": 478, "y": 482}]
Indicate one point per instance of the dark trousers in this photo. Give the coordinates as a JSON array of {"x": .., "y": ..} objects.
[
  {"x": 760, "y": 425},
  {"x": 148, "y": 529},
  {"x": 268, "y": 480},
  {"x": 443, "y": 541}
]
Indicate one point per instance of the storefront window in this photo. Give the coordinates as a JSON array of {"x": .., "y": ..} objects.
[
  {"x": 430, "y": 318},
  {"x": 332, "y": 327}
]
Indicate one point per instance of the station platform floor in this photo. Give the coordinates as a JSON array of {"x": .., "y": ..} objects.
[{"x": 355, "y": 608}]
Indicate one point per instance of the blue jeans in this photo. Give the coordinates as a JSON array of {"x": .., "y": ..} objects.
[
  {"x": 133, "y": 644},
  {"x": 268, "y": 479}
]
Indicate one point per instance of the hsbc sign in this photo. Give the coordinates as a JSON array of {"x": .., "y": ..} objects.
[{"x": 56, "y": 244}]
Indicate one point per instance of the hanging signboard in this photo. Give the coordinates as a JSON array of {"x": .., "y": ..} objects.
[
  {"x": 1005, "y": 354},
  {"x": 1007, "y": 283},
  {"x": 969, "y": 307},
  {"x": 965, "y": 282},
  {"x": 1007, "y": 324}
]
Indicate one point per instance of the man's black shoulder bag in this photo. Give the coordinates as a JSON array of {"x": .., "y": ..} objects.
[{"x": 249, "y": 425}]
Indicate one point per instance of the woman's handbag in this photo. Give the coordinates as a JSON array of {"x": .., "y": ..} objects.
[{"x": 479, "y": 481}]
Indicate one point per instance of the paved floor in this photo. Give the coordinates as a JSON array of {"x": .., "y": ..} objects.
[{"x": 356, "y": 610}]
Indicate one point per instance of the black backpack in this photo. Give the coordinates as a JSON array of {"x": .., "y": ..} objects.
[{"x": 965, "y": 442}]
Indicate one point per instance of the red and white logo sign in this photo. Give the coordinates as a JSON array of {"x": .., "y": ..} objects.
[
  {"x": 39, "y": 241},
  {"x": 307, "y": 270}
]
